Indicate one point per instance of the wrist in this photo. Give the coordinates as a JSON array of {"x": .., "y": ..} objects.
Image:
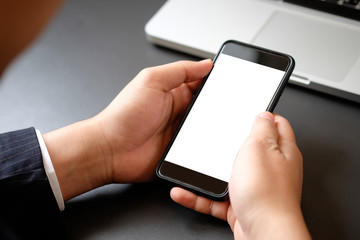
[
  {"x": 78, "y": 158},
  {"x": 280, "y": 223}
]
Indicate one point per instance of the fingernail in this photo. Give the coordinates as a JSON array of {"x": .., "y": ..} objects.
[
  {"x": 206, "y": 60},
  {"x": 267, "y": 115}
]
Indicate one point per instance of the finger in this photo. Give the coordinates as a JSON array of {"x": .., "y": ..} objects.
[
  {"x": 194, "y": 86},
  {"x": 287, "y": 141},
  {"x": 285, "y": 130},
  {"x": 264, "y": 127},
  {"x": 183, "y": 95},
  {"x": 200, "y": 204},
  {"x": 172, "y": 75},
  {"x": 231, "y": 218}
]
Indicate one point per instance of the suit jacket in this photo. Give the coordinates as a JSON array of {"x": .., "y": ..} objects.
[{"x": 28, "y": 208}]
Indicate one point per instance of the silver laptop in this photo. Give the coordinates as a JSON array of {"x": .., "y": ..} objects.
[{"x": 325, "y": 44}]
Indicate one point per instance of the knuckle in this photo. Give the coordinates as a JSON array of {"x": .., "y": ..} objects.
[
  {"x": 146, "y": 74},
  {"x": 262, "y": 142}
]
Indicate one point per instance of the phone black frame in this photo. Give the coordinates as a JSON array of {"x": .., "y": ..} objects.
[{"x": 203, "y": 184}]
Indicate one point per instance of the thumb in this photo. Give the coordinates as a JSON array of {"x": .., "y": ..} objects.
[
  {"x": 264, "y": 128},
  {"x": 263, "y": 136}
]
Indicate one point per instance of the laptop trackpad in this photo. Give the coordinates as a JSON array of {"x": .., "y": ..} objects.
[{"x": 323, "y": 49}]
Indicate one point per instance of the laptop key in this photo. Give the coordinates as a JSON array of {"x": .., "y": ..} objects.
[
  {"x": 352, "y": 2},
  {"x": 345, "y": 8}
]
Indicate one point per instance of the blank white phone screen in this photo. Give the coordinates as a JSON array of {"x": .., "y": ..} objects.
[{"x": 222, "y": 116}]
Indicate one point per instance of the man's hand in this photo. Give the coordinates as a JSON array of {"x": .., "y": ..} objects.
[
  {"x": 125, "y": 141},
  {"x": 265, "y": 185}
]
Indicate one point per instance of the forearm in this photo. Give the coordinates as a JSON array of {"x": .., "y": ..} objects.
[{"x": 77, "y": 157}]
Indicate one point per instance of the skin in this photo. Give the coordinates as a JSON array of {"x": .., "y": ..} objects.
[
  {"x": 265, "y": 185},
  {"x": 124, "y": 142}
]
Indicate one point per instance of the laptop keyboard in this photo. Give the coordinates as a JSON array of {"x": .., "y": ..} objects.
[{"x": 345, "y": 8}]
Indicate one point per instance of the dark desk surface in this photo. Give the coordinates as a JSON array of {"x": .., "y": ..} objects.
[{"x": 88, "y": 54}]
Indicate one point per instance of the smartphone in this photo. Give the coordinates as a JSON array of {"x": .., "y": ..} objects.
[{"x": 245, "y": 80}]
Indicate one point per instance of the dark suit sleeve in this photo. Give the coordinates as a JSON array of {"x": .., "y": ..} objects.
[{"x": 28, "y": 207}]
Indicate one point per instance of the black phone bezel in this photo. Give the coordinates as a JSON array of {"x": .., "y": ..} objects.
[{"x": 203, "y": 184}]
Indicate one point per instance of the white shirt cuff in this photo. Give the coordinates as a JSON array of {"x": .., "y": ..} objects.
[{"x": 50, "y": 172}]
